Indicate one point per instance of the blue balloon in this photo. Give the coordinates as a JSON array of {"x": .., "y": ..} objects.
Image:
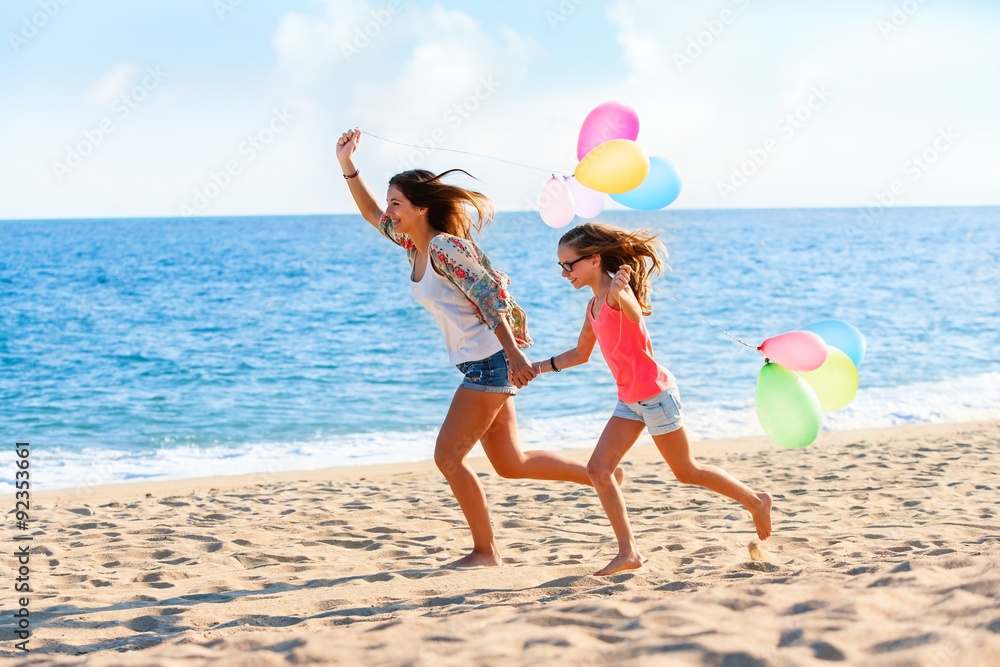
[
  {"x": 659, "y": 189},
  {"x": 842, "y": 336}
]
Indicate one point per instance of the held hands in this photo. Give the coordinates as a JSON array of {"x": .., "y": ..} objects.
[
  {"x": 347, "y": 144},
  {"x": 521, "y": 370}
]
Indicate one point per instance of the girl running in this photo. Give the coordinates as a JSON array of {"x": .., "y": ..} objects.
[
  {"x": 618, "y": 265},
  {"x": 484, "y": 331}
]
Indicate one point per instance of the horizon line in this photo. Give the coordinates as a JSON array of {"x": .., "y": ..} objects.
[{"x": 535, "y": 212}]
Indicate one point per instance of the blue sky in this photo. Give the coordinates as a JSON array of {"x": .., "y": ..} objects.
[{"x": 221, "y": 107}]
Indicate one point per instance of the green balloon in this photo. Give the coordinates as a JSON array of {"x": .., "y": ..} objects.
[
  {"x": 835, "y": 382},
  {"x": 787, "y": 407}
]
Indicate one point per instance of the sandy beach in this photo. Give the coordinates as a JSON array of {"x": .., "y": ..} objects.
[{"x": 886, "y": 551}]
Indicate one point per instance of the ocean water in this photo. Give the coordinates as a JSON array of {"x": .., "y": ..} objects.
[{"x": 170, "y": 348}]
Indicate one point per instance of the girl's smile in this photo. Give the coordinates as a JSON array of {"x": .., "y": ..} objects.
[
  {"x": 576, "y": 273},
  {"x": 401, "y": 211}
]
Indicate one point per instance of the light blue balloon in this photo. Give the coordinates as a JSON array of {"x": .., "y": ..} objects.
[
  {"x": 842, "y": 336},
  {"x": 661, "y": 187}
]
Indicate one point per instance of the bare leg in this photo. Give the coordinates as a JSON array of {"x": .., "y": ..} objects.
[
  {"x": 618, "y": 437},
  {"x": 503, "y": 451},
  {"x": 470, "y": 414},
  {"x": 676, "y": 451}
]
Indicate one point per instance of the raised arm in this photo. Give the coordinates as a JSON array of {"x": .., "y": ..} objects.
[
  {"x": 574, "y": 357},
  {"x": 363, "y": 196}
]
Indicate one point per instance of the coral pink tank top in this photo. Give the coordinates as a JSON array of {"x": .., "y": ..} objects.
[{"x": 629, "y": 352}]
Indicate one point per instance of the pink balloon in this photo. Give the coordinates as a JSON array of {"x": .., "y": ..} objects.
[
  {"x": 610, "y": 120},
  {"x": 556, "y": 203},
  {"x": 795, "y": 350},
  {"x": 589, "y": 203}
]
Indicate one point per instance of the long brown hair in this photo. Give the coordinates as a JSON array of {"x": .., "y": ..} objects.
[
  {"x": 641, "y": 250},
  {"x": 448, "y": 206}
]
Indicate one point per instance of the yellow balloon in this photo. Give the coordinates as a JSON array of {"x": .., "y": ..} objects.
[
  {"x": 613, "y": 167},
  {"x": 835, "y": 382}
]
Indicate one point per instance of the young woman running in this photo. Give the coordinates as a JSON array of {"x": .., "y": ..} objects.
[
  {"x": 618, "y": 265},
  {"x": 484, "y": 331}
]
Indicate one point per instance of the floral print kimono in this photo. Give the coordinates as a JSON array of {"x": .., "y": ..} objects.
[{"x": 468, "y": 268}]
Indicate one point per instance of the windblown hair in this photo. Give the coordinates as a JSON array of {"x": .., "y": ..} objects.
[
  {"x": 641, "y": 250},
  {"x": 448, "y": 207}
]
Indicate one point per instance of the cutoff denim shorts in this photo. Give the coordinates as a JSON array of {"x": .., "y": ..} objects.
[
  {"x": 489, "y": 374},
  {"x": 661, "y": 414}
]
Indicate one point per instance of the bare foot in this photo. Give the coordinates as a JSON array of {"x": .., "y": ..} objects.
[
  {"x": 762, "y": 516},
  {"x": 619, "y": 475},
  {"x": 623, "y": 561},
  {"x": 478, "y": 559}
]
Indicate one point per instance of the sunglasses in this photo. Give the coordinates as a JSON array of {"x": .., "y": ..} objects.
[{"x": 568, "y": 266}]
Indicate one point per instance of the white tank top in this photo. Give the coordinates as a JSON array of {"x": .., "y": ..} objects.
[{"x": 466, "y": 338}]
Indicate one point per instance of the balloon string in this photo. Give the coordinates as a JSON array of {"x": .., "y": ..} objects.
[
  {"x": 669, "y": 296},
  {"x": 553, "y": 172},
  {"x": 455, "y": 150}
]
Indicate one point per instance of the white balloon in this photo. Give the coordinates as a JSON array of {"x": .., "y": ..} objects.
[
  {"x": 589, "y": 203},
  {"x": 556, "y": 203}
]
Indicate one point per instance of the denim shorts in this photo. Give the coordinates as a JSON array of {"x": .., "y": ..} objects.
[
  {"x": 661, "y": 413},
  {"x": 489, "y": 375}
]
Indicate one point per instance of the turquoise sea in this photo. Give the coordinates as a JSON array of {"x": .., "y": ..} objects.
[{"x": 168, "y": 348}]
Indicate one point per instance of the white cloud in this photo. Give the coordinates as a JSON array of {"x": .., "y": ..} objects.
[
  {"x": 311, "y": 48},
  {"x": 440, "y": 80},
  {"x": 439, "y": 76},
  {"x": 723, "y": 88},
  {"x": 453, "y": 59}
]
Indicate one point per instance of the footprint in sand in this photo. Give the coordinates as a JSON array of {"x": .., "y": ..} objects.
[
  {"x": 83, "y": 526},
  {"x": 905, "y": 643},
  {"x": 821, "y": 650},
  {"x": 208, "y": 544},
  {"x": 350, "y": 544},
  {"x": 760, "y": 566},
  {"x": 742, "y": 604},
  {"x": 250, "y": 561},
  {"x": 805, "y": 607},
  {"x": 142, "y": 624}
]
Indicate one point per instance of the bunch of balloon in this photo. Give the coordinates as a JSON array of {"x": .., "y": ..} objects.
[
  {"x": 564, "y": 198},
  {"x": 807, "y": 372},
  {"x": 556, "y": 203},
  {"x": 610, "y": 162}
]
